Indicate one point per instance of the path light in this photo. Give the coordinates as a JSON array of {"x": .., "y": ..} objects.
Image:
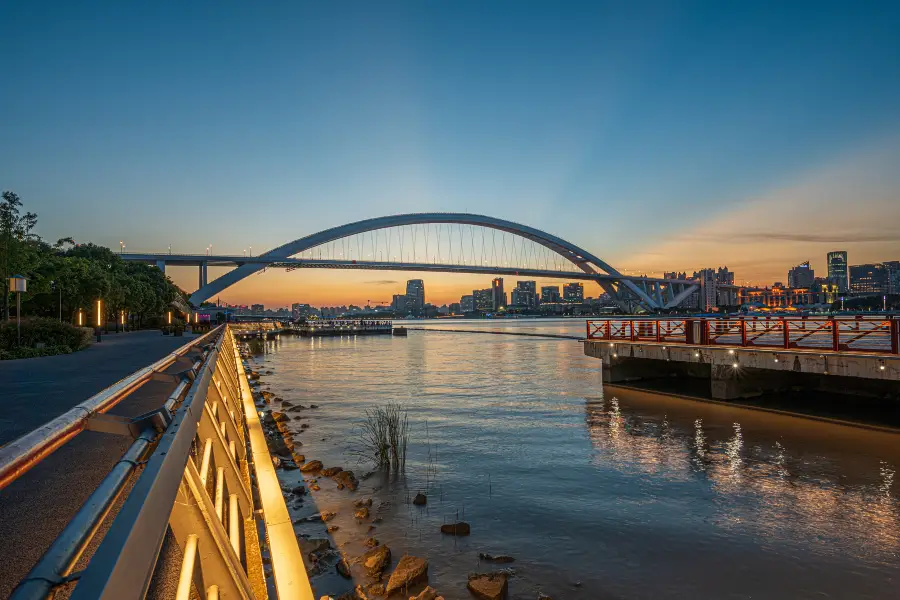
[
  {"x": 170, "y": 317},
  {"x": 735, "y": 365},
  {"x": 731, "y": 352},
  {"x": 80, "y": 317},
  {"x": 99, "y": 314}
]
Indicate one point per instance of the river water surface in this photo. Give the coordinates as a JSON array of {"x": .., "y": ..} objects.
[{"x": 596, "y": 493}]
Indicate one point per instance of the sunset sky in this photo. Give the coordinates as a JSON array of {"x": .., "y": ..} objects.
[{"x": 657, "y": 135}]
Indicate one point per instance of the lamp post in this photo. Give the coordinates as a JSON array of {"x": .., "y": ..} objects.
[
  {"x": 99, "y": 319},
  {"x": 56, "y": 286},
  {"x": 18, "y": 284}
]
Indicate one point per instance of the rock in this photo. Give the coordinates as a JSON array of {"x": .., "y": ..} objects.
[
  {"x": 253, "y": 375},
  {"x": 314, "y": 406},
  {"x": 315, "y": 487},
  {"x": 488, "y": 586},
  {"x": 297, "y": 408},
  {"x": 332, "y": 529},
  {"x": 356, "y": 593},
  {"x": 376, "y": 560},
  {"x": 344, "y": 569},
  {"x": 376, "y": 589},
  {"x": 461, "y": 528},
  {"x": 323, "y": 516},
  {"x": 308, "y": 546},
  {"x": 311, "y": 466},
  {"x": 410, "y": 570},
  {"x": 331, "y": 471},
  {"x": 370, "y": 542},
  {"x": 279, "y": 417},
  {"x": 289, "y": 465},
  {"x": 361, "y": 513},
  {"x": 304, "y": 426},
  {"x": 364, "y": 502},
  {"x": 276, "y": 462},
  {"x": 268, "y": 372},
  {"x": 298, "y": 458},
  {"x": 371, "y": 529},
  {"x": 377, "y": 520},
  {"x": 286, "y": 404},
  {"x": 348, "y": 479},
  {"x": 502, "y": 558},
  {"x": 420, "y": 499},
  {"x": 429, "y": 593},
  {"x": 542, "y": 596}
]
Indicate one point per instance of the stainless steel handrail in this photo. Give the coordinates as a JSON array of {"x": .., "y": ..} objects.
[{"x": 20, "y": 455}]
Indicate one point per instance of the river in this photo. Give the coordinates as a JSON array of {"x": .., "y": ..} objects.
[{"x": 596, "y": 493}]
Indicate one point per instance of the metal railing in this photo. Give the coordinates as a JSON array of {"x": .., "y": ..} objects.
[
  {"x": 837, "y": 334},
  {"x": 206, "y": 478}
]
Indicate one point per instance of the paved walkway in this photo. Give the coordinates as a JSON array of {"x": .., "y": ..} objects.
[{"x": 34, "y": 509}]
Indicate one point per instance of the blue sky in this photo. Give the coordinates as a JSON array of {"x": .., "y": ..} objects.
[{"x": 648, "y": 133}]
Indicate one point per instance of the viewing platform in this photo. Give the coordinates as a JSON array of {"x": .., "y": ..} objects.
[{"x": 745, "y": 357}]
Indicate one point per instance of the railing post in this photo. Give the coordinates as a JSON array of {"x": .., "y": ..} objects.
[
  {"x": 787, "y": 333},
  {"x": 895, "y": 335},
  {"x": 689, "y": 331},
  {"x": 835, "y": 335},
  {"x": 658, "y": 325},
  {"x": 633, "y": 338},
  {"x": 587, "y": 332},
  {"x": 743, "y": 332}
]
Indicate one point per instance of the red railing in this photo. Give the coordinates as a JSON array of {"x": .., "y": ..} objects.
[{"x": 838, "y": 334}]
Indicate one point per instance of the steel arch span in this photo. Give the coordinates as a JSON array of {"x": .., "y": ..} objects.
[{"x": 630, "y": 292}]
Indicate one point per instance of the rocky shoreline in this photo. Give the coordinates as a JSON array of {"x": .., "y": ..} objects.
[{"x": 338, "y": 538}]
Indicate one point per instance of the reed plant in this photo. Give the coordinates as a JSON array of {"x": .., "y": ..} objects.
[{"x": 384, "y": 436}]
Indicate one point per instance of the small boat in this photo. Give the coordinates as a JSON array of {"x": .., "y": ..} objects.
[{"x": 399, "y": 331}]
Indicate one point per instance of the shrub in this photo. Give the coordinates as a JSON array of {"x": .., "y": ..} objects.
[
  {"x": 49, "y": 332},
  {"x": 26, "y": 352}
]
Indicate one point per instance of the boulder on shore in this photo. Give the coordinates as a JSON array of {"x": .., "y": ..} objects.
[
  {"x": 410, "y": 570},
  {"x": 461, "y": 528},
  {"x": 488, "y": 586},
  {"x": 347, "y": 479},
  {"x": 500, "y": 558},
  {"x": 362, "y": 513},
  {"x": 311, "y": 466},
  {"x": 331, "y": 471},
  {"x": 429, "y": 593},
  {"x": 420, "y": 499},
  {"x": 376, "y": 560}
]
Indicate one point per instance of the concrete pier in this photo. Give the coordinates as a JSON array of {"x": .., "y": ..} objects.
[{"x": 741, "y": 373}]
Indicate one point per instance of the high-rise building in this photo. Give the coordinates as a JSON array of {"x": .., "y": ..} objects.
[
  {"x": 398, "y": 304},
  {"x": 550, "y": 294},
  {"x": 498, "y": 296},
  {"x": 454, "y": 308},
  {"x": 873, "y": 278},
  {"x": 524, "y": 294},
  {"x": 257, "y": 309},
  {"x": 484, "y": 299},
  {"x": 415, "y": 296},
  {"x": 893, "y": 267},
  {"x": 837, "y": 270},
  {"x": 299, "y": 310},
  {"x": 467, "y": 304},
  {"x": 801, "y": 276},
  {"x": 573, "y": 293}
]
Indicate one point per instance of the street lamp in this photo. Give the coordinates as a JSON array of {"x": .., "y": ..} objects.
[
  {"x": 18, "y": 285},
  {"x": 121, "y": 247},
  {"x": 55, "y": 286}
]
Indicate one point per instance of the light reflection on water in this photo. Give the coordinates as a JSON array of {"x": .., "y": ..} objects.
[{"x": 632, "y": 494}]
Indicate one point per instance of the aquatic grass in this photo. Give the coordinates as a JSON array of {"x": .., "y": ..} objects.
[{"x": 384, "y": 436}]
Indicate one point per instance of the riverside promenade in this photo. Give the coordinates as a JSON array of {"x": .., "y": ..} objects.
[{"x": 40, "y": 389}]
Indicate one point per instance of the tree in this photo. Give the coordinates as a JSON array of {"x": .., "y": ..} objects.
[{"x": 15, "y": 231}]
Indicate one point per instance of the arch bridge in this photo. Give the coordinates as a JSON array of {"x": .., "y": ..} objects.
[{"x": 437, "y": 242}]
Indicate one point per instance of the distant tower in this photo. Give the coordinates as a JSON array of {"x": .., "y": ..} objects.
[
  {"x": 837, "y": 270},
  {"x": 415, "y": 296},
  {"x": 498, "y": 296}
]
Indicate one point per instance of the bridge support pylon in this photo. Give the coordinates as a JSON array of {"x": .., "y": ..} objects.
[
  {"x": 161, "y": 265},
  {"x": 203, "y": 274}
]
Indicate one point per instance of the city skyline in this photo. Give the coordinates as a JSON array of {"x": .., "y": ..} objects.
[{"x": 660, "y": 137}]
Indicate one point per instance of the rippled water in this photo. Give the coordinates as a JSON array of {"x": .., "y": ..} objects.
[{"x": 597, "y": 494}]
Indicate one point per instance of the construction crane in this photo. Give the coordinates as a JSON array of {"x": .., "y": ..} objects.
[{"x": 378, "y": 302}]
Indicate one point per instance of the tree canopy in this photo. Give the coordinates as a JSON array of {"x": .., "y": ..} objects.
[{"x": 75, "y": 275}]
